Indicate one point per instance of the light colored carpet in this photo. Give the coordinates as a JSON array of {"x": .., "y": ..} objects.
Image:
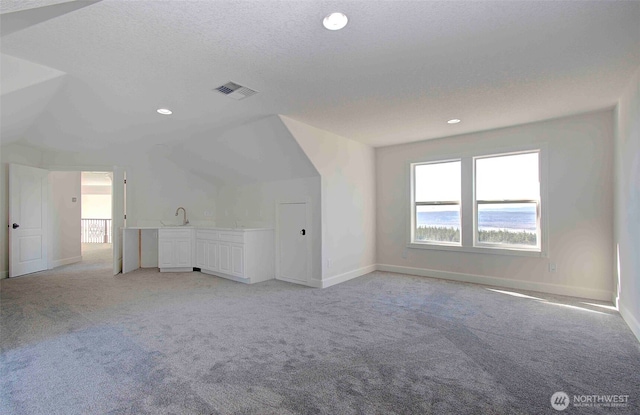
[{"x": 77, "y": 340}]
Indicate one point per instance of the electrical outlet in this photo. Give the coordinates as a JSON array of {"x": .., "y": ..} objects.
[
  {"x": 405, "y": 252},
  {"x": 553, "y": 267},
  {"x": 329, "y": 263}
]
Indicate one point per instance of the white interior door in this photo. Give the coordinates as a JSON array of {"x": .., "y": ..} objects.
[
  {"x": 293, "y": 240},
  {"x": 130, "y": 249},
  {"x": 28, "y": 204},
  {"x": 118, "y": 215}
]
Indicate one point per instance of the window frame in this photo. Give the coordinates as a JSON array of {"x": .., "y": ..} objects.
[
  {"x": 476, "y": 202},
  {"x": 468, "y": 214},
  {"x": 414, "y": 204}
]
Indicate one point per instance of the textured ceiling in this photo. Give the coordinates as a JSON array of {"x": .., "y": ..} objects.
[{"x": 396, "y": 73}]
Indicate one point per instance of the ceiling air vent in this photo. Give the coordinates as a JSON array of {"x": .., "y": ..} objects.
[{"x": 235, "y": 91}]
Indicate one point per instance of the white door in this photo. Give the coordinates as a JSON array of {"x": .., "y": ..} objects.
[
  {"x": 130, "y": 249},
  {"x": 118, "y": 215},
  {"x": 28, "y": 204},
  {"x": 293, "y": 240}
]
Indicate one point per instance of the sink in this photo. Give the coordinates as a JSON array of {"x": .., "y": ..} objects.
[{"x": 174, "y": 225}]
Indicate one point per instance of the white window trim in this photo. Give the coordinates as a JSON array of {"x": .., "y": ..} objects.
[
  {"x": 413, "y": 214},
  {"x": 467, "y": 200}
]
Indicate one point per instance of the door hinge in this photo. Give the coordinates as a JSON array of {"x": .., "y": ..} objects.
[
  {"x": 125, "y": 181},
  {"x": 125, "y": 216}
]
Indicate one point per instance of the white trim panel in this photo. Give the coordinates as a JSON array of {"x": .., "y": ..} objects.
[{"x": 602, "y": 295}]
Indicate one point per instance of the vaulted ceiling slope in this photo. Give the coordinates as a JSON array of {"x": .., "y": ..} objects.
[
  {"x": 262, "y": 150},
  {"x": 25, "y": 91},
  {"x": 396, "y": 73}
]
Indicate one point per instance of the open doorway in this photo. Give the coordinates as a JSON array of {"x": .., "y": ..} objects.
[
  {"x": 54, "y": 209},
  {"x": 96, "y": 216}
]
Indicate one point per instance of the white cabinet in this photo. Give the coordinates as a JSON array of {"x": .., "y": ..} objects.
[
  {"x": 242, "y": 255},
  {"x": 237, "y": 260},
  {"x": 207, "y": 251},
  {"x": 175, "y": 250},
  {"x": 225, "y": 258},
  {"x": 245, "y": 255}
]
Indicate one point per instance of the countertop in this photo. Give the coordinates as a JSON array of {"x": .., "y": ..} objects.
[{"x": 217, "y": 228}]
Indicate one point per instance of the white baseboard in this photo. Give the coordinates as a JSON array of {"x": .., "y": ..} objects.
[
  {"x": 314, "y": 283},
  {"x": 4, "y": 274},
  {"x": 631, "y": 320},
  {"x": 337, "y": 279},
  {"x": 65, "y": 261},
  {"x": 221, "y": 275},
  {"x": 602, "y": 295}
]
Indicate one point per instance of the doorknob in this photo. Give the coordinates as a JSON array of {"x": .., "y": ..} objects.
[
  {"x": 303, "y": 232},
  {"x": 16, "y": 226}
]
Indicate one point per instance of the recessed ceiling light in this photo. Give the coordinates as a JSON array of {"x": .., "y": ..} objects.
[
  {"x": 453, "y": 121},
  {"x": 164, "y": 111},
  {"x": 335, "y": 21}
]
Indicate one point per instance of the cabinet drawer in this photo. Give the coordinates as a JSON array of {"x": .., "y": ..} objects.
[
  {"x": 175, "y": 233},
  {"x": 237, "y": 237},
  {"x": 207, "y": 235}
]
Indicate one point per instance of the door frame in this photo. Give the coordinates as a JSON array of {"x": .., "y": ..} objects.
[
  {"x": 309, "y": 229},
  {"x": 116, "y": 235}
]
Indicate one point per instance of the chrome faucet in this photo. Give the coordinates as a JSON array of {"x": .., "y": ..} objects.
[{"x": 185, "y": 221}]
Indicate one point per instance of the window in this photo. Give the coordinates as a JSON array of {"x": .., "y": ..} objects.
[
  {"x": 436, "y": 195},
  {"x": 479, "y": 203},
  {"x": 507, "y": 201}
]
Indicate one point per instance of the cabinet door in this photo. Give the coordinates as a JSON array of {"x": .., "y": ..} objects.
[
  {"x": 211, "y": 255},
  {"x": 202, "y": 249},
  {"x": 237, "y": 260},
  {"x": 183, "y": 253},
  {"x": 165, "y": 253},
  {"x": 224, "y": 260}
]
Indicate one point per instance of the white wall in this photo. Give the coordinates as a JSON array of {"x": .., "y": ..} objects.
[
  {"x": 579, "y": 204},
  {"x": 155, "y": 185},
  {"x": 254, "y": 205},
  {"x": 96, "y": 195},
  {"x": 96, "y": 206},
  {"x": 26, "y": 88},
  {"x": 627, "y": 202},
  {"x": 348, "y": 212},
  {"x": 259, "y": 150},
  {"x": 64, "y": 245},
  {"x": 18, "y": 154}
]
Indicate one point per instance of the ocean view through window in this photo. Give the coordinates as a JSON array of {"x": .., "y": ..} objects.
[
  {"x": 478, "y": 202},
  {"x": 437, "y": 189},
  {"x": 507, "y": 190}
]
